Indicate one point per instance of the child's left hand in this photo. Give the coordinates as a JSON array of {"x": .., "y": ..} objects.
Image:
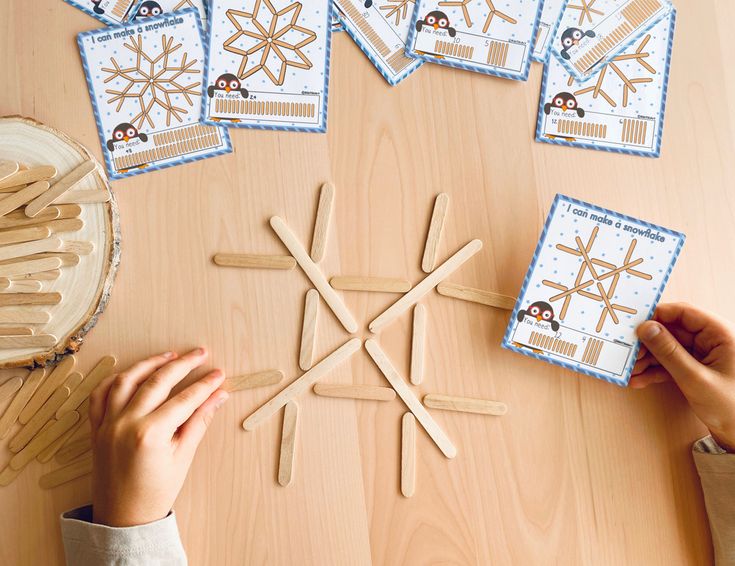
[{"x": 143, "y": 441}]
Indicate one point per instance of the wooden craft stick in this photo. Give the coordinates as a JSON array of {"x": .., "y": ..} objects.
[
  {"x": 47, "y": 453},
  {"x": 65, "y": 225},
  {"x": 66, "y": 211},
  {"x": 370, "y": 284},
  {"x": 308, "y": 329},
  {"x": 77, "y": 247},
  {"x": 59, "y": 188},
  {"x": 17, "y": 219},
  {"x": 426, "y": 285},
  {"x": 15, "y": 331},
  {"x": 24, "y": 235},
  {"x": 413, "y": 404},
  {"x": 51, "y": 275},
  {"x": 253, "y": 380},
  {"x": 103, "y": 368},
  {"x": 288, "y": 443},
  {"x": 488, "y": 298},
  {"x": 316, "y": 277},
  {"x": 91, "y": 196},
  {"x": 301, "y": 384},
  {"x": 28, "y": 248},
  {"x": 37, "y": 421},
  {"x": 418, "y": 342},
  {"x": 435, "y": 232},
  {"x": 8, "y": 475},
  {"x": 10, "y": 388},
  {"x": 408, "y": 455},
  {"x": 55, "y": 379},
  {"x": 35, "y": 341},
  {"x": 32, "y": 266},
  {"x": 72, "y": 471},
  {"x": 465, "y": 404},
  {"x": 25, "y": 286},
  {"x": 29, "y": 176},
  {"x": 24, "y": 316},
  {"x": 253, "y": 261},
  {"x": 15, "y": 200},
  {"x": 321, "y": 224},
  {"x": 362, "y": 392},
  {"x": 7, "y": 168},
  {"x": 16, "y": 299},
  {"x": 20, "y": 400},
  {"x": 67, "y": 259},
  {"x": 74, "y": 449},
  {"x": 43, "y": 439}
]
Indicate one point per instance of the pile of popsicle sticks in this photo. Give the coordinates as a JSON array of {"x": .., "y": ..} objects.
[
  {"x": 324, "y": 291},
  {"x": 45, "y": 419},
  {"x": 35, "y": 208}
]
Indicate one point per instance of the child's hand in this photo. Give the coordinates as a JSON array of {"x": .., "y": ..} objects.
[
  {"x": 697, "y": 350},
  {"x": 143, "y": 441}
]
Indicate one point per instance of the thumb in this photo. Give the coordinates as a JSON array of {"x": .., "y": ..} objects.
[
  {"x": 193, "y": 430},
  {"x": 669, "y": 352}
]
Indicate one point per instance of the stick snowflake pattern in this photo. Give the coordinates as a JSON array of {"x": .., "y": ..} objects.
[
  {"x": 154, "y": 81},
  {"x": 498, "y": 13},
  {"x": 275, "y": 34},
  {"x": 397, "y": 9},
  {"x": 628, "y": 84},
  {"x": 597, "y": 280},
  {"x": 586, "y": 10}
]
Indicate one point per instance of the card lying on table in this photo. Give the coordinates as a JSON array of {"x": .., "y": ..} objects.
[
  {"x": 268, "y": 64},
  {"x": 551, "y": 14},
  {"x": 495, "y": 37},
  {"x": 595, "y": 276},
  {"x": 151, "y": 8},
  {"x": 114, "y": 12},
  {"x": 380, "y": 28},
  {"x": 145, "y": 80},
  {"x": 622, "y": 109}
]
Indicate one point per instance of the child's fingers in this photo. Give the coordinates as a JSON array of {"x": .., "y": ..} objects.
[
  {"x": 177, "y": 410},
  {"x": 154, "y": 391},
  {"x": 643, "y": 364},
  {"x": 656, "y": 374},
  {"x": 190, "y": 433},
  {"x": 126, "y": 383},
  {"x": 98, "y": 403}
]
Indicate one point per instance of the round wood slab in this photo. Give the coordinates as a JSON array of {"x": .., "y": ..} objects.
[{"x": 85, "y": 287}]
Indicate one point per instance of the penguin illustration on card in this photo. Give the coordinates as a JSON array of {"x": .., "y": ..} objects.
[
  {"x": 542, "y": 312},
  {"x": 564, "y": 101},
  {"x": 572, "y": 37},
  {"x": 148, "y": 9},
  {"x": 437, "y": 20},
  {"x": 124, "y": 133},
  {"x": 97, "y": 8},
  {"x": 227, "y": 83}
]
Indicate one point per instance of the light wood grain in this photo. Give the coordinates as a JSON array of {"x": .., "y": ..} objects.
[
  {"x": 12, "y": 201},
  {"x": 17, "y": 219},
  {"x": 39, "y": 419},
  {"x": 253, "y": 380},
  {"x": 16, "y": 330},
  {"x": 10, "y": 416},
  {"x": 465, "y": 404},
  {"x": 62, "y": 225},
  {"x": 287, "y": 455},
  {"x": 18, "y": 299},
  {"x": 29, "y": 176},
  {"x": 19, "y": 268},
  {"x": 59, "y": 188},
  {"x": 253, "y": 261},
  {"x": 24, "y": 235},
  {"x": 28, "y": 248},
  {"x": 26, "y": 285},
  {"x": 408, "y": 455},
  {"x": 8, "y": 475},
  {"x": 308, "y": 329},
  {"x": 76, "y": 469},
  {"x": 7, "y": 168},
  {"x": 43, "y": 439},
  {"x": 88, "y": 196},
  {"x": 488, "y": 298},
  {"x": 21, "y": 342},
  {"x": 370, "y": 284},
  {"x": 77, "y": 247},
  {"x": 301, "y": 384},
  {"x": 433, "y": 236},
  {"x": 418, "y": 344},
  {"x": 40, "y": 276},
  {"x": 100, "y": 371},
  {"x": 351, "y": 391},
  {"x": 10, "y": 388},
  {"x": 73, "y": 450},
  {"x": 13, "y": 316},
  {"x": 321, "y": 223},
  {"x": 426, "y": 285},
  {"x": 407, "y": 396}
]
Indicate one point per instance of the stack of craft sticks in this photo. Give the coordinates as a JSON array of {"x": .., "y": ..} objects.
[
  {"x": 325, "y": 291},
  {"x": 45, "y": 419},
  {"x": 36, "y": 209}
]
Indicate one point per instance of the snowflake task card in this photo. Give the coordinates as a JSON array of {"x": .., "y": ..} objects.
[
  {"x": 380, "y": 28},
  {"x": 145, "y": 80},
  {"x": 268, "y": 64},
  {"x": 592, "y": 32},
  {"x": 596, "y": 275},
  {"x": 114, "y": 12},
  {"x": 149, "y": 8},
  {"x": 495, "y": 37},
  {"x": 621, "y": 109},
  {"x": 551, "y": 14}
]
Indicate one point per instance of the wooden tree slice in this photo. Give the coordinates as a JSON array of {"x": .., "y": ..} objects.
[{"x": 86, "y": 285}]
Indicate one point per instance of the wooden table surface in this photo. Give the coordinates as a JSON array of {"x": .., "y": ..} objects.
[{"x": 578, "y": 472}]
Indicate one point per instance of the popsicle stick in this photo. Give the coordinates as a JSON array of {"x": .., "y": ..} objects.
[
  {"x": 10, "y": 388},
  {"x": 426, "y": 285},
  {"x": 25, "y": 286},
  {"x": 59, "y": 188},
  {"x": 436, "y": 226},
  {"x": 28, "y": 176},
  {"x": 65, "y": 225},
  {"x": 43, "y": 439},
  {"x": 66, "y": 211},
  {"x": 418, "y": 342},
  {"x": 77, "y": 247},
  {"x": 31, "y": 266},
  {"x": 51, "y": 275},
  {"x": 16, "y": 299},
  {"x": 370, "y": 284},
  {"x": 253, "y": 380},
  {"x": 15, "y": 331},
  {"x": 301, "y": 384},
  {"x": 413, "y": 404},
  {"x": 49, "y": 452},
  {"x": 465, "y": 404},
  {"x": 7, "y": 168},
  {"x": 321, "y": 224},
  {"x": 14, "y": 251},
  {"x": 314, "y": 274},
  {"x": 24, "y": 235},
  {"x": 8, "y": 476},
  {"x": 67, "y": 259},
  {"x": 36, "y": 341},
  {"x": 91, "y": 196},
  {"x": 288, "y": 443},
  {"x": 103, "y": 368},
  {"x": 18, "y": 219},
  {"x": 489, "y": 298},
  {"x": 10, "y": 416},
  {"x": 37, "y": 421},
  {"x": 77, "y": 469},
  {"x": 408, "y": 455},
  {"x": 254, "y": 261},
  {"x": 362, "y": 392},
  {"x": 73, "y": 450},
  {"x": 15, "y": 200},
  {"x": 9, "y": 316},
  {"x": 55, "y": 379},
  {"x": 308, "y": 330}
]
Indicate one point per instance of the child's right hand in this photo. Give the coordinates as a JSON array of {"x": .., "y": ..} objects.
[{"x": 697, "y": 350}]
